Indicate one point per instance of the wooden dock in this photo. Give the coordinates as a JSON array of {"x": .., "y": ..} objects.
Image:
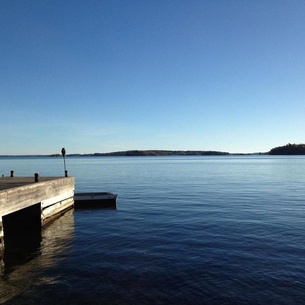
[{"x": 28, "y": 202}]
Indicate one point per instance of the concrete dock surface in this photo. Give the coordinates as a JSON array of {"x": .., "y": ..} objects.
[{"x": 11, "y": 182}]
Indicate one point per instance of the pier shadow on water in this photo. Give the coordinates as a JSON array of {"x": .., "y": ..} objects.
[
  {"x": 29, "y": 249},
  {"x": 22, "y": 237}
]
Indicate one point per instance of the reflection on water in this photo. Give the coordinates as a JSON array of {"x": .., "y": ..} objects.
[
  {"x": 21, "y": 249},
  {"x": 225, "y": 230},
  {"x": 25, "y": 258},
  {"x": 22, "y": 236}
]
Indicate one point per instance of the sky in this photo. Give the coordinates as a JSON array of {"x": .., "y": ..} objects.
[{"x": 113, "y": 75}]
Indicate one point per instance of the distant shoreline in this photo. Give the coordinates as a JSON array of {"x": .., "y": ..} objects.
[
  {"x": 141, "y": 153},
  {"x": 156, "y": 153},
  {"x": 289, "y": 149}
]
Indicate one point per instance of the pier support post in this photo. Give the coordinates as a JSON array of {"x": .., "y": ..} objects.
[
  {"x": 1, "y": 247},
  {"x": 1, "y": 236}
]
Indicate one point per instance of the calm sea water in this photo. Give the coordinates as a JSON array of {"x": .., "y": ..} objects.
[{"x": 188, "y": 230}]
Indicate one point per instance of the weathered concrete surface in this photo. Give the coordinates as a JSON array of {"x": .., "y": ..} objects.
[
  {"x": 17, "y": 193},
  {"x": 10, "y": 182},
  {"x": 20, "y": 197}
]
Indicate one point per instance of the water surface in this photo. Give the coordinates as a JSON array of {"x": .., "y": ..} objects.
[{"x": 188, "y": 230}]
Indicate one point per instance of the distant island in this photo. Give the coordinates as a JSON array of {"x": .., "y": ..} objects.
[
  {"x": 289, "y": 149},
  {"x": 135, "y": 153}
]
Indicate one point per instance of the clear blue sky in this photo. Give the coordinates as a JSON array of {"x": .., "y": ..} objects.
[{"x": 102, "y": 76}]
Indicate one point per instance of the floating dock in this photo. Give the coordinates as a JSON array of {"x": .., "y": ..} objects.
[
  {"x": 27, "y": 203},
  {"x": 95, "y": 200}
]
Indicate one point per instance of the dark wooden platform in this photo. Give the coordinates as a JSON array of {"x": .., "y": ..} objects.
[{"x": 95, "y": 200}]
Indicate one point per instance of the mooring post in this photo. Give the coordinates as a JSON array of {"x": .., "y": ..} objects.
[
  {"x": 66, "y": 173},
  {"x": 36, "y": 175},
  {"x": 12, "y": 173}
]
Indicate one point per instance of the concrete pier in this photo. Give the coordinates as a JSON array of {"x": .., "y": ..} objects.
[{"x": 26, "y": 204}]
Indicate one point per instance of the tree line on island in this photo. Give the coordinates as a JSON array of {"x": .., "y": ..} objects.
[
  {"x": 131, "y": 153},
  {"x": 289, "y": 149}
]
